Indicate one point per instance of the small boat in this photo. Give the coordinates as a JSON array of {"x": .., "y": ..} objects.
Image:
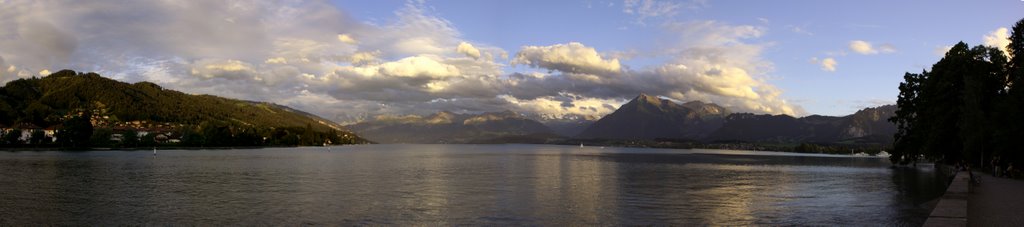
[
  {"x": 581, "y": 145},
  {"x": 154, "y": 151}
]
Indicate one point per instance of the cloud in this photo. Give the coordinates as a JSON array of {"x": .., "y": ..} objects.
[
  {"x": 468, "y": 50},
  {"x": 345, "y": 38},
  {"x": 941, "y": 51},
  {"x": 645, "y": 9},
  {"x": 554, "y": 107},
  {"x": 572, "y": 57},
  {"x": 277, "y": 60},
  {"x": 715, "y": 62},
  {"x": 232, "y": 69},
  {"x": 828, "y": 64},
  {"x": 866, "y": 48},
  {"x": 1000, "y": 38},
  {"x": 418, "y": 66},
  {"x": 799, "y": 30},
  {"x": 650, "y": 8},
  {"x": 360, "y": 58},
  {"x": 312, "y": 56}
]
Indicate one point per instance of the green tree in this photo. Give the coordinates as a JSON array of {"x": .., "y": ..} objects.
[
  {"x": 148, "y": 140},
  {"x": 76, "y": 132},
  {"x": 944, "y": 114},
  {"x": 1011, "y": 108},
  {"x": 308, "y": 137},
  {"x": 101, "y": 137},
  {"x": 37, "y": 137},
  {"x": 12, "y": 137},
  {"x": 907, "y": 141},
  {"x": 130, "y": 138}
]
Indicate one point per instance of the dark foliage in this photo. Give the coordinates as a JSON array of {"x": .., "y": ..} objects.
[{"x": 967, "y": 108}]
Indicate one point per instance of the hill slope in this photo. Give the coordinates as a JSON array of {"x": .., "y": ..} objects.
[{"x": 49, "y": 100}]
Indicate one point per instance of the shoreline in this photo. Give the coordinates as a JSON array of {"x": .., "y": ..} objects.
[{"x": 39, "y": 149}]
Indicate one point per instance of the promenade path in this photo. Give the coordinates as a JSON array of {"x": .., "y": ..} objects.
[{"x": 997, "y": 202}]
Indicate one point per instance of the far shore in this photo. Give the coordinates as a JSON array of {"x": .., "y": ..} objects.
[{"x": 19, "y": 149}]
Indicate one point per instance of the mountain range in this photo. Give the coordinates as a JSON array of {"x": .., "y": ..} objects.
[
  {"x": 49, "y": 100},
  {"x": 648, "y": 117},
  {"x": 448, "y": 127},
  {"x": 645, "y": 117}
]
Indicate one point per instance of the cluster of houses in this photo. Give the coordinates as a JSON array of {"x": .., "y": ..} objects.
[
  {"x": 26, "y": 129},
  {"x": 162, "y": 132}
]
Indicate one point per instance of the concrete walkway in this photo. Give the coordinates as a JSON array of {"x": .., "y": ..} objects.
[
  {"x": 997, "y": 202},
  {"x": 951, "y": 209}
]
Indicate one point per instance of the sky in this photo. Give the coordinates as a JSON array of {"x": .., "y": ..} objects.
[{"x": 350, "y": 60}]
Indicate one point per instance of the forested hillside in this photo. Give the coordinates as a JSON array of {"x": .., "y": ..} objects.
[{"x": 54, "y": 100}]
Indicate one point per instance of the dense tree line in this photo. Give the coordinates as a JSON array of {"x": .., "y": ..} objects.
[{"x": 967, "y": 108}]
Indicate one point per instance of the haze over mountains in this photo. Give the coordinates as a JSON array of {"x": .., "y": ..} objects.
[
  {"x": 645, "y": 117},
  {"x": 448, "y": 127}
]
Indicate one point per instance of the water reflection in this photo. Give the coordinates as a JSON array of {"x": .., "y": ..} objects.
[{"x": 459, "y": 184}]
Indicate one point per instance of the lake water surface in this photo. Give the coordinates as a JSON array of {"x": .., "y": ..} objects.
[{"x": 460, "y": 184}]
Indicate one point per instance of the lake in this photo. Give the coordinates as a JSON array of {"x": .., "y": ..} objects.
[{"x": 460, "y": 184}]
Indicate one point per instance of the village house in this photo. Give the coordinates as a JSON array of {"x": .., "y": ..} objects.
[
  {"x": 4, "y": 129},
  {"x": 26, "y": 131},
  {"x": 51, "y": 132}
]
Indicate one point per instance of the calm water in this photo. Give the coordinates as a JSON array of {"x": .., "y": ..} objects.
[{"x": 459, "y": 184}]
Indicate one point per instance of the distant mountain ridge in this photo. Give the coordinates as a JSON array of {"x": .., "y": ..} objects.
[
  {"x": 448, "y": 127},
  {"x": 869, "y": 124},
  {"x": 648, "y": 117}
]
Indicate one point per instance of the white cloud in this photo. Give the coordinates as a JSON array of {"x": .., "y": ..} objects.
[
  {"x": 211, "y": 68},
  {"x": 418, "y": 66},
  {"x": 44, "y": 72},
  {"x": 829, "y": 64},
  {"x": 564, "y": 104},
  {"x": 715, "y": 62},
  {"x": 866, "y": 48},
  {"x": 1000, "y": 38},
  {"x": 572, "y": 58},
  {"x": 277, "y": 60},
  {"x": 862, "y": 47},
  {"x": 941, "y": 51},
  {"x": 345, "y": 38},
  {"x": 468, "y": 50},
  {"x": 360, "y": 58}
]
